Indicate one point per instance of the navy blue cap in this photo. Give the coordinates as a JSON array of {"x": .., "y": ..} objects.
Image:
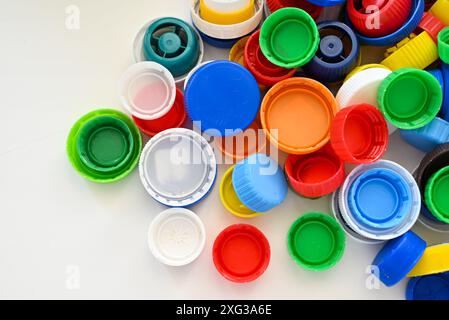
[
  {"x": 333, "y": 61},
  {"x": 218, "y": 43},
  {"x": 380, "y": 198},
  {"x": 432, "y": 287},
  {"x": 429, "y": 136},
  {"x": 327, "y": 3},
  {"x": 223, "y": 97},
  {"x": 259, "y": 183},
  {"x": 444, "y": 113},
  {"x": 398, "y": 257},
  {"x": 407, "y": 28}
]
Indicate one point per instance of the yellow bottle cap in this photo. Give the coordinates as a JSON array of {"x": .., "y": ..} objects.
[
  {"x": 440, "y": 10},
  {"x": 212, "y": 15},
  {"x": 435, "y": 260},
  {"x": 237, "y": 53},
  {"x": 365, "y": 67}
]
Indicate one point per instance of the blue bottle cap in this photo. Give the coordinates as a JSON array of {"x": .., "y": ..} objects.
[
  {"x": 444, "y": 113},
  {"x": 380, "y": 198},
  {"x": 327, "y": 3},
  {"x": 218, "y": 43},
  {"x": 429, "y": 136},
  {"x": 259, "y": 183},
  {"x": 398, "y": 257},
  {"x": 337, "y": 53},
  {"x": 407, "y": 28},
  {"x": 433, "y": 287},
  {"x": 438, "y": 74},
  {"x": 223, "y": 98}
]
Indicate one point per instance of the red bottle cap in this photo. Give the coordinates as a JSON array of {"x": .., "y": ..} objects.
[
  {"x": 391, "y": 15},
  {"x": 241, "y": 253},
  {"x": 432, "y": 25},
  {"x": 263, "y": 70},
  {"x": 359, "y": 134},
  {"x": 175, "y": 118},
  {"x": 316, "y": 174},
  {"x": 310, "y": 8}
]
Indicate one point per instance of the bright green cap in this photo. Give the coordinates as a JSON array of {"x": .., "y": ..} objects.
[
  {"x": 443, "y": 45},
  {"x": 104, "y": 146},
  {"x": 436, "y": 194},
  {"x": 316, "y": 241},
  {"x": 410, "y": 98},
  {"x": 289, "y": 38}
]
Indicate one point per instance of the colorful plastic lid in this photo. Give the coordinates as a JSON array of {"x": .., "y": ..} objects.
[
  {"x": 316, "y": 174},
  {"x": 338, "y": 53},
  {"x": 316, "y": 241},
  {"x": 326, "y": 3},
  {"x": 440, "y": 10},
  {"x": 435, "y": 260},
  {"x": 104, "y": 146},
  {"x": 237, "y": 53},
  {"x": 259, "y": 183},
  {"x": 230, "y": 31},
  {"x": 226, "y": 12},
  {"x": 406, "y": 28},
  {"x": 364, "y": 67},
  {"x": 436, "y": 194},
  {"x": 178, "y": 167},
  {"x": 175, "y": 118},
  {"x": 433, "y": 287},
  {"x": 429, "y": 136},
  {"x": 241, "y": 253},
  {"x": 222, "y": 97},
  {"x": 398, "y": 257},
  {"x": 192, "y": 72},
  {"x": 147, "y": 90},
  {"x": 444, "y": 113},
  {"x": 359, "y": 134},
  {"x": 310, "y": 8},
  {"x": 264, "y": 71},
  {"x": 278, "y": 34},
  {"x": 432, "y": 25},
  {"x": 230, "y": 199},
  {"x": 443, "y": 45},
  {"x": 388, "y": 16},
  {"x": 176, "y": 237},
  {"x": 365, "y": 221},
  {"x": 297, "y": 114},
  {"x": 410, "y": 98}
]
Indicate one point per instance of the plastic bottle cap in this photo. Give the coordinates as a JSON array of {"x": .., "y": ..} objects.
[
  {"x": 326, "y": 3},
  {"x": 380, "y": 188},
  {"x": 358, "y": 222},
  {"x": 237, "y": 53},
  {"x": 389, "y": 15},
  {"x": 278, "y": 34},
  {"x": 178, "y": 167},
  {"x": 440, "y": 10},
  {"x": 365, "y": 67},
  {"x": 410, "y": 98},
  {"x": 219, "y": 12},
  {"x": 226, "y": 32},
  {"x": 241, "y": 146},
  {"x": 223, "y": 97},
  {"x": 391, "y": 39},
  {"x": 176, "y": 237},
  {"x": 175, "y": 118},
  {"x": 147, "y": 90},
  {"x": 263, "y": 70},
  {"x": 315, "y": 175},
  {"x": 432, "y": 25},
  {"x": 433, "y": 261},
  {"x": 337, "y": 55},
  {"x": 230, "y": 199},
  {"x": 310, "y": 8},
  {"x": 436, "y": 195},
  {"x": 445, "y": 87},
  {"x": 359, "y": 134},
  {"x": 241, "y": 253},
  {"x": 398, "y": 257},
  {"x": 316, "y": 242},
  {"x": 104, "y": 146},
  {"x": 260, "y": 183},
  {"x": 443, "y": 45},
  {"x": 296, "y": 115},
  {"x": 429, "y": 136},
  {"x": 192, "y": 72},
  {"x": 434, "y": 287}
]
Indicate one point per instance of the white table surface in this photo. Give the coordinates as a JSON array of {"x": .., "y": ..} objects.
[{"x": 65, "y": 238}]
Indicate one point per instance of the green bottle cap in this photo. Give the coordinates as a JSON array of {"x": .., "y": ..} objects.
[
  {"x": 410, "y": 98},
  {"x": 436, "y": 194},
  {"x": 316, "y": 241},
  {"x": 289, "y": 38},
  {"x": 104, "y": 146},
  {"x": 443, "y": 45}
]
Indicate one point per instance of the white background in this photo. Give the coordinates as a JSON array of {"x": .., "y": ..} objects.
[{"x": 51, "y": 219}]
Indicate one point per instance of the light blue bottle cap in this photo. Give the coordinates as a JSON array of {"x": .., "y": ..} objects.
[
  {"x": 260, "y": 183},
  {"x": 380, "y": 198},
  {"x": 432, "y": 287},
  {"x": 429, "y": 136}
]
